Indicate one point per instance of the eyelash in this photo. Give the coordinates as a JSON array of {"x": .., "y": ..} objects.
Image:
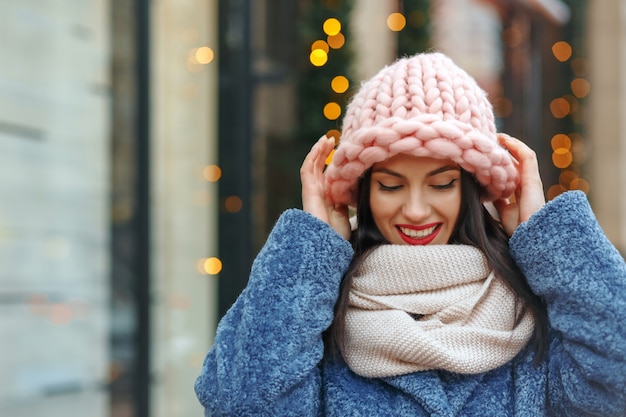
[
  {"x": 383, "y": 187},
  {"x": 447, "y": 186}
]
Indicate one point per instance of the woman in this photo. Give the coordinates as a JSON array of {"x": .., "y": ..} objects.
[{"x": 431, "y": 310}]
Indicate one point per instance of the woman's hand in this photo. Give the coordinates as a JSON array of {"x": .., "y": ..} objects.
[
  {"x": 528, "y": 197},
  {"x": 314, "y": 199}
]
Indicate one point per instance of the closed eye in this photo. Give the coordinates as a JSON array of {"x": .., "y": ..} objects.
[
  {"x": 384, "y": 187},
  {"x": 445, "y": 186}
]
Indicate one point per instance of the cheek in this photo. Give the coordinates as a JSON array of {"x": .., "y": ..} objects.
[
  {"x": 382, "y": 208},
  {"x": 452, "y": 206}
]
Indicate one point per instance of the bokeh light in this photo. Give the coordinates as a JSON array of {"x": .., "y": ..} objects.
[
  {"x": 340, "y": 84},
  {"x": 580, "y": 67},
  {"x": 320, "y": 44},
  {"x": 560, "y": 107},
  {"x": 332, "y": 111},
  {"x": 560, "y": 140},
  {"x": 555, "y": 191},
  {"x": 396, "y": 22},
  {"x": 562, "y": 158},
  {"x": 318, "y": 57},
  {"x": 335, "y": 134},
  {"x": 562, "y": 51},
  {"x": 332, "y": 26},
  {"x": 580, "y": 184},
  {"x": 233, "y": 204},
  {"x": 204, "y": 55},
  {"x": 566, "y": 177},
  {"x": 336, "y": 41},
  {"x": 210, "y": 266},
  {"x": 212, "y": 173},
  {"x": 330, "y": 156},
  {"x": 580, "y": 87}
]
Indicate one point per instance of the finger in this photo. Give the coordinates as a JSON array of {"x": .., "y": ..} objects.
[
  {"x": 509, "y": 215},
  {"x": 326, "y": 147},
  {"x": 522, "y": 153},
  {"x": 312, "y": 158}
]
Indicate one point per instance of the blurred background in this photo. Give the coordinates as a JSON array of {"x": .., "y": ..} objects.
[{"x": 147, "y": 147}]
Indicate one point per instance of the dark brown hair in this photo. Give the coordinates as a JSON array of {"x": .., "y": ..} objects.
[{"x": 475, "y": 227}]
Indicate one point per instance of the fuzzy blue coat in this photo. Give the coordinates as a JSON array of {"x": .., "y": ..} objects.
[{"x": 268, "y": 356}]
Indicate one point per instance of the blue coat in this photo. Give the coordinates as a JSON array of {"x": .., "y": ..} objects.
[{"x": 268, "y": 355}]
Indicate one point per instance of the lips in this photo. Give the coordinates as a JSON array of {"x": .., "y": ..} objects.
[{"x": 418, "y": 235}]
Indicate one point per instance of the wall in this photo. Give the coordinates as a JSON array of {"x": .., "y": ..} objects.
[
  {"x": 184, "y": 150},
  {"x": 54, "y": 191},
  {"x": 607, "y": 124}
]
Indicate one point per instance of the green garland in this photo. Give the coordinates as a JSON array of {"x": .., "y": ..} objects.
[{"x": 314, "y": 90}]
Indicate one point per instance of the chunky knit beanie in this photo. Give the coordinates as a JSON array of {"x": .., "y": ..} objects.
[{"x": 424, "y": 106}]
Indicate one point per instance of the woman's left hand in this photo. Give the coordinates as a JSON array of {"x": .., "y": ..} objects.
[{"x": 528, "y": 197}]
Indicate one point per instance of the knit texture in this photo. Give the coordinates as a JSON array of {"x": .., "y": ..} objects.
[
  {"x": 414, "y": 308},
  {"x": 424, "y": 106}
]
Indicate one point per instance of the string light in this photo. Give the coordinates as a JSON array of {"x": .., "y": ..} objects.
[
  {"x": 212, "y": 173},
  {"x": 396, "y": 22},
  {"x": 318, "y": 57},
  {"x": 580, "y": 87},
  {"x": 204, "y": 55},
  {"x": 332, "y": 111},
  {"x": 331, "y": 26},
  {"x": 560, "y": 107},
  {"x": 233, "y": 204},
  {"x": 340, "y": 84},
  {"x": 562, "y": 51},
  {"x": 336, "y": 41},
  {"x": 209, "y": 266}
]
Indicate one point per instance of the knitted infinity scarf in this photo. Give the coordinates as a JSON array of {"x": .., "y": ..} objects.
[{"x": 415, "y": 308}]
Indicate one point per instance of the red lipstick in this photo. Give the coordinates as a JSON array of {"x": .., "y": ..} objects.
[{"x": 423, "y": 238}]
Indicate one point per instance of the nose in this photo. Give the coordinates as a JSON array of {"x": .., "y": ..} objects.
[{"x": 416, "y": 208}]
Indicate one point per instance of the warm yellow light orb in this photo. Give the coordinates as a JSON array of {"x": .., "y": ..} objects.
[
  {"x": 336, "y": 41},
  {"x": 560, "y": 140},
  {"x": 332, "y": 111},
  {"x": 212, "y": 173},
  {"x": 318, "y": 57},
  {"x": 560, "y": 107},
  {"x": 340, "y": 84},
  {"x": 320, "y": 44},
  {"x": 580, "y": 87},
  {"x": 562, "y": 158},
  {"x": 204, "y": 55},
  {"x": 562, "y": 51},
  {"x": 212, "y": 266},
  {"x": 332, "y": 26},
  {"x": 396, "y": 22}
]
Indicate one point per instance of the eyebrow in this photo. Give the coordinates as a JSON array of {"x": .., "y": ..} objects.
[{"x": 429, "y": 174}]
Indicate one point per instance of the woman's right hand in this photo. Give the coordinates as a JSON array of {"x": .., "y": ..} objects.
[{"x": 314, "y": 200}]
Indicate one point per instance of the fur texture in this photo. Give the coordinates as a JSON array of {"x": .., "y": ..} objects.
[{"x": 268, "y": 356}]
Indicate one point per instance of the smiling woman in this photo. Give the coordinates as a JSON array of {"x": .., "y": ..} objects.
[{"x": 429, "y": 306}]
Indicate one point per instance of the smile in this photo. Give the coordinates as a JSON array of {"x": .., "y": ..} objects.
[{"x": 421, "y": 235}]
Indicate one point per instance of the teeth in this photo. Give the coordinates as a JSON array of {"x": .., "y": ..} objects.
[{"x": 418, "y": 234}]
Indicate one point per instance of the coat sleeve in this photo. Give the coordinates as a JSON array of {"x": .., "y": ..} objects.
[
  {"x": 568, "y": 261},
  {"x": 267, "y": 349}
]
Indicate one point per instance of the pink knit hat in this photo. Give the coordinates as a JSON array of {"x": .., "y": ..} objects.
[{"x": 424, "y": 106}]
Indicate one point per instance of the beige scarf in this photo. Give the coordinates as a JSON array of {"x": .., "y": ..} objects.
[{"x": 415, "y": 308}]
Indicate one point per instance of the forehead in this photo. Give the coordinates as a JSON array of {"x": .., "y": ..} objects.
[{"x": 404, "y": 163}]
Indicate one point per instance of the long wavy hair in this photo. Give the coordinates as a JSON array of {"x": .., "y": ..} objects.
[{"x": 476, "y": 227}]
